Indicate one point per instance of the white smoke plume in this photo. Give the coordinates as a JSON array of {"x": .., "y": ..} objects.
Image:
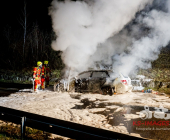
[
  {"x": 83, "y": 26},
  {"x": 147, "y": 48}
]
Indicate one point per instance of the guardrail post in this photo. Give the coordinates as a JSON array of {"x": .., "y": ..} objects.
[{"x": 23, "y": 119}]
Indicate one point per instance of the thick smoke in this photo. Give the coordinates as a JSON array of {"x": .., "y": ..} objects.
[
  {"x": 82, "y": 29},
  {"x": 110, "y": 32},
  {"x": 146, "y": 49}
]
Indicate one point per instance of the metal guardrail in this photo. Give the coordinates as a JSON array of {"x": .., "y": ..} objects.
[{"x": 59, "y": 127}]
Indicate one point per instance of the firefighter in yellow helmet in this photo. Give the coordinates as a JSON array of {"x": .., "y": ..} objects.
[
  {"x": 47, "y": 73},
  {"x": 37, "y": 76}
]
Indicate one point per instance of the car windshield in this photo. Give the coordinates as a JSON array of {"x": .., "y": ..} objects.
[
  {"x": 110, "y": 72},
  {"x": 99, "y": 74}
]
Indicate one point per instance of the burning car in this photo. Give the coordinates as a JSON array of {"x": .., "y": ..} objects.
[
  {"x": 122, "y": 84},
  {"x": 96, "y": 81}
]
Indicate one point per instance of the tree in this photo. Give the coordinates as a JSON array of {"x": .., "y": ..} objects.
[{"x": 23, "y": 22}]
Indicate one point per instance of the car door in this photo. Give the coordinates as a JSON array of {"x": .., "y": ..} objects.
[
  {"x": 82, "y": 81},
  {"x": 98, "y": 78}
]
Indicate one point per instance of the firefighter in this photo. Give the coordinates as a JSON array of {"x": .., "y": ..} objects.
[
  {"x": 47, "y": 73},
  {"x": 37, "y": 76}
]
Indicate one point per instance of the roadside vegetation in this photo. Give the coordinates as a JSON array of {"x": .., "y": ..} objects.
[
  {"x": 157, "y": 74},
  {"x": 160, "y": 76},
  {"x": 24, "y": 77}
]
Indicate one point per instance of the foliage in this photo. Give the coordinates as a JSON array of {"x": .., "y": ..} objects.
[
  {"x": 163, "y": 60},
  {"x": 164, "y": 90},
  {"x": 57, "y": 73},
  {"x": 9, "y": 76},
  {"x": 157, "y": 74}
]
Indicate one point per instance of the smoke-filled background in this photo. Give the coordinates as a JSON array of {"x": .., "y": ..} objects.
[{"x": 126, "y": 35}]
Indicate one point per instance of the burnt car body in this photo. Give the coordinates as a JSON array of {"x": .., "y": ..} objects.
[
  {"x": 96, "y": 81},
  {"x": 93, "y": 81}
]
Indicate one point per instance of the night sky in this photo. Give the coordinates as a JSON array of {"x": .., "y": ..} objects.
[{"x": 37, "y": 10}]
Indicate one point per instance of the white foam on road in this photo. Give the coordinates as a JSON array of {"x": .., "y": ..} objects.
[{"x": 62, "y": 105}]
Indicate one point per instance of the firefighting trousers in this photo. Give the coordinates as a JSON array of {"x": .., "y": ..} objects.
[
  {"x": 43, "y": 83},
  {"x": 36, "y": 83}
]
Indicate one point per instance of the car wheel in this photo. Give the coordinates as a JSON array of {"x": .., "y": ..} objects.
[
  {"x": 77, "y": 88},
  {"x": 107, "y": 91}
]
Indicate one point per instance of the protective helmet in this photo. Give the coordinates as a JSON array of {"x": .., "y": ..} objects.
[
  {"x": 45, "y": 62},
  {"x": 39, "y": 63}
]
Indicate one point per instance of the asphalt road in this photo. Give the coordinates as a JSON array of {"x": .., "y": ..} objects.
[{"x": 8, "y": 88}]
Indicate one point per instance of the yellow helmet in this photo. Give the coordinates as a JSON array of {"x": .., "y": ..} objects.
[
  {"x": 45, "y": 62},
  {"x": 39, "y": 63}
]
